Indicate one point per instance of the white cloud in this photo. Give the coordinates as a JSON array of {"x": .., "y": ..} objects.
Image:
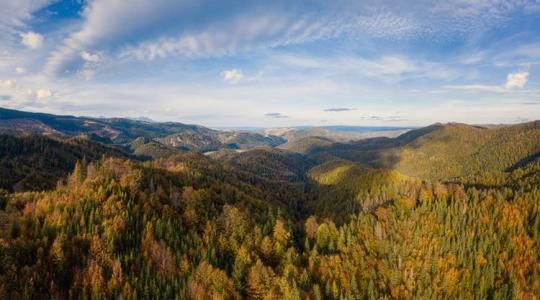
[
  {"x": 31, "y": 39},
  {"x": 8, "y": 84},
  {"x": 385, "y": 68},
  {"x": 276, "y": 115},
  {"x": 268, "y": 30},
  {"x": 91, "y": 57},
  {"x": 20, "y": 70},
  {"x": 170, "y": 29},
  {"x": 472, "y": 59},
  {"x": 21, "y": 93},
  {"x": 113, "y": 23},
  {"x": 91, "y": 62},
  {"x": 477, "y": 88},
  {"x": 42, "y": 94},
  {"x": 516, "y": 80},
  {"x": 13, "y": 16},
  {"x": 232, "y": 76},
  {"x": 224, "y": 38}
]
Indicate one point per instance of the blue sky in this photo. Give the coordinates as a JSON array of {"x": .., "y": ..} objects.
[{"x": 274, "y": 63}]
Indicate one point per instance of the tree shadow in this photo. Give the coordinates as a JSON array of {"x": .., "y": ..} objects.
[{"x": 523, "y": 162}]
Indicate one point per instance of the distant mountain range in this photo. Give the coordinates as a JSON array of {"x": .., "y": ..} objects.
[
  {"x": 145, "y": 137},
  {"x": 128, "y": 132}
]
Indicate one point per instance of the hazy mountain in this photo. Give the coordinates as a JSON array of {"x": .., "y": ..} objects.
[
  {"x": 306, "y": 144},
  {"x": 123, "y": 131},
  {"x": 335, "y": 133}
]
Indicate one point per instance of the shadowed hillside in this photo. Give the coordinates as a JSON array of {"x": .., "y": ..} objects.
[
  {"x": 282, "y": 173},
  {"x": 38, "y": 162},
  {"x": 148, "y": 148}
]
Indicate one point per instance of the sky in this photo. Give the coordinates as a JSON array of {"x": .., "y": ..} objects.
[{"x": 274, "y": 63}]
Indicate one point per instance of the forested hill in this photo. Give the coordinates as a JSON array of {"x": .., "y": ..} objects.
[
  {"x": 188, "y": 227},
  {"x": 442, "y": 151},
  {"x": 37, "y": 162}
]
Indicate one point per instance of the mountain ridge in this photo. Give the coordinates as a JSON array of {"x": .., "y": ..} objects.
[
  {"x": 442, "y": 151},
  {"x": 122, "y": 131}
]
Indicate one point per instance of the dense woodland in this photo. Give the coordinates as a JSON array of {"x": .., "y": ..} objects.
[{"x": 343, "y": 221}]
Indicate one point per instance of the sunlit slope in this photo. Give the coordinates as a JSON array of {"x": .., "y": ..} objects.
[
  {"x": 444, "y": 151},
  {"x": 347, "y": 187},
  {"x": 441, "y": 153},
  {"x": 508, "y": 148}
]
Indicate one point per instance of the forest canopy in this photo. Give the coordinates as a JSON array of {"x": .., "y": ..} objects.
[{"x": 268, "y": 224}]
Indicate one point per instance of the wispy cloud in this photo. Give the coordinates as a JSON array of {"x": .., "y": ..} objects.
[
  {"x": 109, "y": 24},
  {"x": 18, "y": 92},
  {"x": 91, "y": 57},
  {"x": 276, "y": 115},
  {"x": 114, "y": 25},
  {"x": 473, "y": 58},
  {"x": 385, "y": 68},
  {"x": 477, "y": 88},
  {"x": 339, "y": 109},
  {"x": 13, "y": 17},
  {"x": 384, "y": 118},
  {"x": 232, "y": 76}
]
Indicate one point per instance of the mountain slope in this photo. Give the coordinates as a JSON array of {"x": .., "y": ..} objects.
[
  {"x": 306, "y": 144},
  {"x": 336, "y": 133},
  {"x": 152, "y": 149},
  {"x": 188, "y": 227},
  {"x": 38, "y": 162},
  {"x": 443, "y": 151},
  {"x": 347, "y": 187},
  {"x": 114, "y": 130},
  {"x": 281, "y": 172},
  {"x": 123, "y": 131}
]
